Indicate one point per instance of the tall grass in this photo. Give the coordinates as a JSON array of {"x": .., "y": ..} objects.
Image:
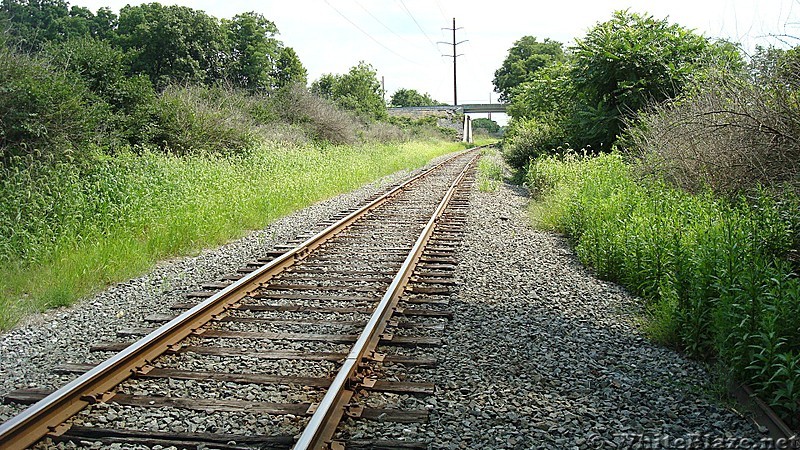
[
  {"x": 67, "y": 230},
  {"x": 716, "y": 274},
  {"x": 490, "y": 170}
]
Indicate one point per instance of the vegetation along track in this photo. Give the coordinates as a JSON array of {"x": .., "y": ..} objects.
[{"x": 286, "y": 347}]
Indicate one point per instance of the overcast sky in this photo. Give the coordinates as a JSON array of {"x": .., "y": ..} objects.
[{"x": 400, "y": 37}]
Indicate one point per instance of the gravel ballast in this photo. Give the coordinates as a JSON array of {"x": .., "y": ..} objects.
[{"x": 539, "y": 353}]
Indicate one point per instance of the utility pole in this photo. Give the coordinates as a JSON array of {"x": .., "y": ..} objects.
[{"x": 455, "y": 57}]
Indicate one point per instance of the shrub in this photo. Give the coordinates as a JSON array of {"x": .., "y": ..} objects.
[
  {"x": 44, "y": 112},
  {"x": 731, "y": 135},
  {"x": 320, "y": 119},
  {"x": 358, "y": 90},
  {"x": 202, "y": 119},
  {"x": 528, "y": 139},
  {"x": 104, "y": 70}
]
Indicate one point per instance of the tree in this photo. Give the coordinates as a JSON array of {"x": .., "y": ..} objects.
[
  {"x": 173, "y": 44},
  {"x": 253, "y": 52},
  {"x": 288, "y": 69},
  {"x": 33, "y": 23},
  {"x": 525, "y": 57},
  {"x": 358, "y": 90},
  {"x": 410, "y": 97},
  {"x": 486, "y": 124},
  {"x": 633, "y": 61},
  {"x": 104, "y": 70},
  {"x": 44, "y": 111}
]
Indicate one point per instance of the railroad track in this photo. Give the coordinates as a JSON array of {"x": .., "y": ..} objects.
[{"x": 280, "y": 353}]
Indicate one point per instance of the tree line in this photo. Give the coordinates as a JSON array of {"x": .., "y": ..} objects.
[
  {"x": 76, "y": 82},
  {"x": 169, "y": 44},
  {"x": 584, "y": 95}
]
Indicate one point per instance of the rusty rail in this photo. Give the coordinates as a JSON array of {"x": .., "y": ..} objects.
[
  {"x": 320, "y": 430},
  {"x": 49, "y": 414}
]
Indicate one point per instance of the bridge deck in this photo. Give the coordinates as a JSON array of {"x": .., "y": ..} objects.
[{"x": 467, "y": 108}]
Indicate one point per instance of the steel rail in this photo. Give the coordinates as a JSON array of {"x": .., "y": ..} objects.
[
  {"x": 48, "y": 415},
  {"x": 320, "y": 429}
]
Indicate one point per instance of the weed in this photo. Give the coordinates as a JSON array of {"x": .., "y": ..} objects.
[{"x": 490, "y": 170}]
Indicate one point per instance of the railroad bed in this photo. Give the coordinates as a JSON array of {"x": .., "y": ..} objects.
[{"x": 276, "y": 354}]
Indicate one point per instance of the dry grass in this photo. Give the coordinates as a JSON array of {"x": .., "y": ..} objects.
[
  {"x": 320, "y": 119},
  {"x": 731, "y": 135}
]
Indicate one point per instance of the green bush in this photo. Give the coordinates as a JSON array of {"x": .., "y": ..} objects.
[
  {"x": 621, "y": 66},
  {"x": 528, "y": 139},
  {"x": 104, "y": 69},
  {"x": 202, "y": 119},
  {"x": 715, "y": 273},
  {"x": 44, "y": 111},
  {"x": 358, "y": 90}
]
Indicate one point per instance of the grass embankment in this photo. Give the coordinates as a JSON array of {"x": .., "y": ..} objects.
[
  {"x": 67, "y": 230},
  {"x": 715, "y": 274}
]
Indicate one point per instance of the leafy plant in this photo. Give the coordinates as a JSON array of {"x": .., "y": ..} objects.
[{"x": 358, "y": 90}]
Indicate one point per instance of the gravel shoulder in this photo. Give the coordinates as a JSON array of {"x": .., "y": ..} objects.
[{"x": 542, "y": 354}]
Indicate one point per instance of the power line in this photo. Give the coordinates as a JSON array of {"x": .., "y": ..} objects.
[
  {"x": 418, "y": 25},
  {"x": 381, "y": 22},
  {"x": 441, "y": 11},
  {"x": 369, "y": 35}
]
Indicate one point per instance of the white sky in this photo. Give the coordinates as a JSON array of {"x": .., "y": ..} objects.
[{"x": 404, "y": 33}]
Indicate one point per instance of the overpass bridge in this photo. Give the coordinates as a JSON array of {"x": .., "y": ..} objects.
[
  {"x": 476, "y": 108},
  {"x": 465, "y": 128}
]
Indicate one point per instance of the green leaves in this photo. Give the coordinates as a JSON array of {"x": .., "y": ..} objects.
[
  {"x": 620, "y": 67},
  {"x": 410, "y": 97},
  {"x": 358, "y": 90},
  {"x": 524, "y": 59}
]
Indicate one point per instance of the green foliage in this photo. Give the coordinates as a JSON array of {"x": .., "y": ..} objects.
[
  {"x": 35, "y": 23},
  {"x": 102, "y": 68},
  {"x": 254, "y": 51},
  {"x": 620, "y": 67},
  {"x": 202, "y": 120},
  {"x": 44, "y": 112},
  {"x": 527, "y": 139},
  {"x": 81, "y": 227},
  {"x": 169, "y": 44},
  {"x": 426, "y": 126},
  {"x": 358, "y": 90},
  {"x": 524, "y": 59},
  {"x": 685, "y": 255},
  {"x": 490, "y": 170},
  {"x": 411, "y": 97},
  {"x": 488, "y": 125},
  {"x": 288, "y": 69},
  {"x": 632, "y": 61},
  {"x": 173, "y": 44}
]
